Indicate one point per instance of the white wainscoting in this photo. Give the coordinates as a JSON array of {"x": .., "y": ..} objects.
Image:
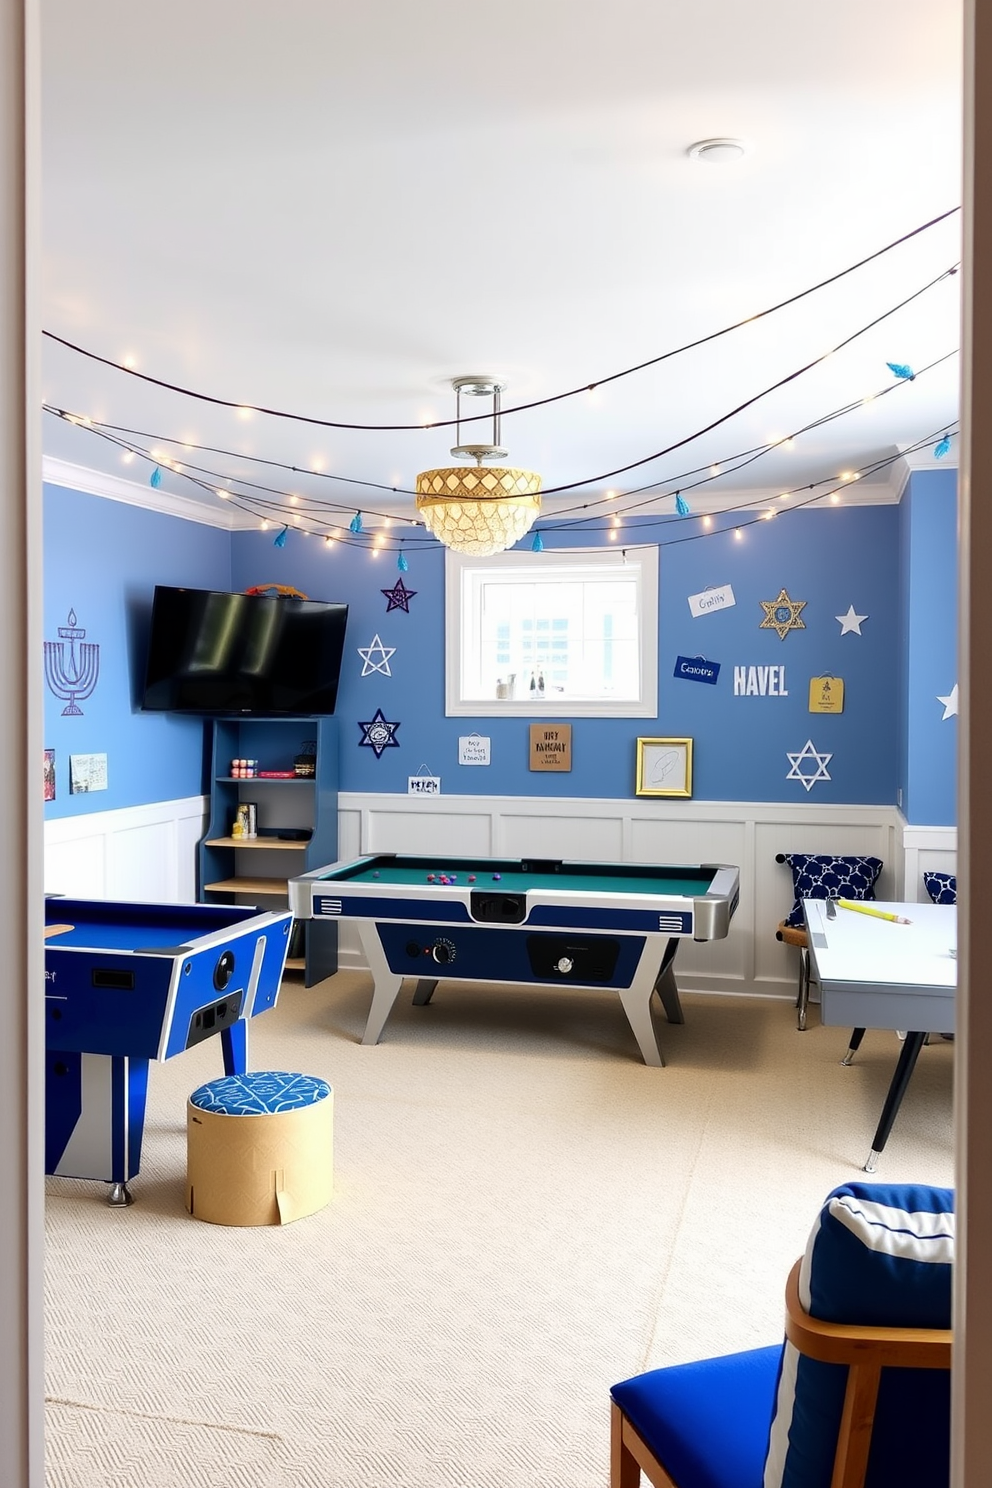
[
  {"x": 747, "y": 833},
  {"x": 137, "y": 852},
  {"x": 149, "y": 853}
]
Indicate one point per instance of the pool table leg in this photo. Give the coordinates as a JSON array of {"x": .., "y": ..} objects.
[
  {"x": 636, "y": 1002},
  {"x": 424, "y": 992},
  {"x": 386, "y": 983},
  {"x": 665, "y": 984}
]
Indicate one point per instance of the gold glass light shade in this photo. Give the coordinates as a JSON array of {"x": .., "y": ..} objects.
[{"x": 478, "y": 511}]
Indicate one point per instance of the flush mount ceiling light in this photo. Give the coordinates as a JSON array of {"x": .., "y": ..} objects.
[
  {"x": 469, "y": 508},
  {"x": 717, "y": 151}
]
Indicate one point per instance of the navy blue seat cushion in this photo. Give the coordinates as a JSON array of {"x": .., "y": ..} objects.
[
  {"x": 706, "y": 1422},
  {"x": 942, "y": 887},
  {"x": 878, "y": 1254},
  {"x": 825, "y": 876}
]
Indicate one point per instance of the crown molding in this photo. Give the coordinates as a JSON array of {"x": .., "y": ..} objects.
[
  {"x": 918, "y": 459},
  {"x": 116, "y": 488}
]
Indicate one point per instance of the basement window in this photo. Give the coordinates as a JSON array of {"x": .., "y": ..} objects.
[{"x": 567, "y": 634}]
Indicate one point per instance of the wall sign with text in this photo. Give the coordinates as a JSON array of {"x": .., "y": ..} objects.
[
  {"x": 826, "y": 695},
  {"x": 551, "y": 746},
  {"x": 697, "y": 669},
  {"x": 760, "y": 681},
  {"x": 711, "y": 600}
]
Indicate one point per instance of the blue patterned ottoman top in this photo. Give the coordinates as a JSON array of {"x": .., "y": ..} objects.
[{"x": 260, "y": 1093}]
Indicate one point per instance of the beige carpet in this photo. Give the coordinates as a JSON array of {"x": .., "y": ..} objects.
[{"x": 523, "y": 1214}]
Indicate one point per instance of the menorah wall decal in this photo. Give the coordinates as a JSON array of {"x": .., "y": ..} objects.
[{"x": 72, "y": 666}]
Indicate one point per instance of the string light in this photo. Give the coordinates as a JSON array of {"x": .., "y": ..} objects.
[{"x": 246, "y": 410}]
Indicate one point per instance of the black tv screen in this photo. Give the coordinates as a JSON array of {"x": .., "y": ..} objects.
[{"x": 215, "y": 653}]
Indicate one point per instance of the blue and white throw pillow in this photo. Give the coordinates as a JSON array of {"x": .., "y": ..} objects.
[
  {"x": 879, "y": 1254},
  {"x": 942, "y": 887},
  {"x": 823, "y": 876}
]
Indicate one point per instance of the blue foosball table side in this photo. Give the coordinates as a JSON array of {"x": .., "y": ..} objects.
[{"x": 128, "y": 983}]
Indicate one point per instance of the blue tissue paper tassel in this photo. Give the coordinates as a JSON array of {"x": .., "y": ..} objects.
[
  {"x": 901, "y": 370},
  {"x": 279, "y": 541},
  {"x": 681, "y": 505},
  {"x": 355, "y": 525}
]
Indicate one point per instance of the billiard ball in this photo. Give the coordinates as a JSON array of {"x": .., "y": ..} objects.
[
  {"x": 471, "y": 878},
  {"x": 497, "y": 877},
  {"x": 430, "y": 878},
  {"x": 375, "y": 875}
]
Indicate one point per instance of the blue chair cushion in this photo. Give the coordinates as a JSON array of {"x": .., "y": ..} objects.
[
  {"x": 942, "y": 887},
  {"x": 823, "y": 876},
  {"x": 878, "y": 1254},
  {"x": 260, "y": 1093},
  {"x": 706, "y": 1422}
]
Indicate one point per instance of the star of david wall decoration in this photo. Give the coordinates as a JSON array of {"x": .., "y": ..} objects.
[
  {"x": 782, "y": 614},
  {"x": 808, "y": 755},
  {"x": 378, "y": 734}
]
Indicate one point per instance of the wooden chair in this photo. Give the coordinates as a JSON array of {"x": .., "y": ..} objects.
[
  {"x": 798, "y": 937},
  {"x": 751, "y": 1378}
]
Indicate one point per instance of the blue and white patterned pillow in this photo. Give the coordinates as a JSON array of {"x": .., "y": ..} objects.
[
  {"x": 879, "y": 1254},
  {"x": 942, "y": 887},
  {"x": 822, "y": 876}
]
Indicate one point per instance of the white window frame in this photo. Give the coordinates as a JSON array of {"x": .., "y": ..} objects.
[{"x": 457, "y": 593}]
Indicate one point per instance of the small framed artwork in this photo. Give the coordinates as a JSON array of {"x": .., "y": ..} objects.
[
  {"x": 664, "y": 767},
  {"x": 49, "y": 774}
]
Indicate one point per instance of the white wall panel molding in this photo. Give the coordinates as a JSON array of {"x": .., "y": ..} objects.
[
  {"x": 747, "y": 833},
  {"x": 137, "y": 852},
  {"x": 927, "y": 849}
]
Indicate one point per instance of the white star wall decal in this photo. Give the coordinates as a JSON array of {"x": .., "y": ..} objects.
[
  {"x": 850, "y": 623},
  {"x": 384, "y": 653},
  {"x": 808, "y": 752},
  {"x": 950, "y": 703}
]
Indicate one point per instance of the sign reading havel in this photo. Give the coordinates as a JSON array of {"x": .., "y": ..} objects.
[
  {"x": 826, "y": 695},
  {"x": 551, "y": 746}
]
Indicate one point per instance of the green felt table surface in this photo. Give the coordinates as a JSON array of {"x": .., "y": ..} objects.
[{"x": 588, "y": 879}]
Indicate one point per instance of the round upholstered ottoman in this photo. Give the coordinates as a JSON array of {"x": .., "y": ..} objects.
[{"x": 259, "y": 1148}]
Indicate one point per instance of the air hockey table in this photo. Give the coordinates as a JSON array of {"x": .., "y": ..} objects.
[
  {"x": 126, "y": 983},
  {"x": 523, "y": 922}
]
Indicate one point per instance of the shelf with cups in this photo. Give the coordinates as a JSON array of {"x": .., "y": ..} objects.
[{"x": 303, "y": 806}]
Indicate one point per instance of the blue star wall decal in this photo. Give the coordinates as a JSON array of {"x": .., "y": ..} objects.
[
  {"x": 399, "y": 597},
  {"x": 379, "y": 734}
]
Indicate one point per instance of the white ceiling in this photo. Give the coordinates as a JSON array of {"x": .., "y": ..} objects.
[{"x": 334, "y": 209}]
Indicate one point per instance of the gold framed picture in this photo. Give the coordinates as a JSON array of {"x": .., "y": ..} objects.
[{"x": 664, "y": 767}]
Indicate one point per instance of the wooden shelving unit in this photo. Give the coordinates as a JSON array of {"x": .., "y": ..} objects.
[{"x": 229, "y": 867}]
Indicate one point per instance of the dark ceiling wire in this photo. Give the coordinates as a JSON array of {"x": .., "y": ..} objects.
[
  {"x": 292, "y": 505},
  {"x": 730, "y": 464},
  {"x": 377, "y": 542},
  {"x": 100, "y": 430},
  {"x": 749, "y": 402},
  {"x": 519, "y": 407}
]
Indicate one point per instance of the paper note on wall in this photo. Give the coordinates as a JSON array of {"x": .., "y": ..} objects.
[
  {"x": 711, "y": 600},
  {"x": 473, "y": 749}
]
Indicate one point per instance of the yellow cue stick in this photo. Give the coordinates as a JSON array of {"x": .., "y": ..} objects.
[{"x": 869, "y": 909}]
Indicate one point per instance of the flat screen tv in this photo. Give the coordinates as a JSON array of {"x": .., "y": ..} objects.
[{"x": 268, "y": 656}]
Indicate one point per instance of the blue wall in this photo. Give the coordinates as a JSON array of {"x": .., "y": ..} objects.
[
  {"x": 830, "y": 558},
  {"x": 894, "y": 564},
  {"x": 102, "y": 560},
  {"x": 927, "y": 766}
]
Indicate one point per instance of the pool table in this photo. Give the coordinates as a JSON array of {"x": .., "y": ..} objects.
[
  {"x": 126, "y": 983},
  {"x": 523, "y": 921}
]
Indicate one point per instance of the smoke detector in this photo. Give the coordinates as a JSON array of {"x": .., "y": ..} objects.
[{"x": 717, "y": 151}]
